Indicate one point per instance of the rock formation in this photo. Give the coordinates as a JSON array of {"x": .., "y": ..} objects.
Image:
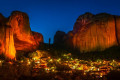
[
  {"x": 15, "y": 34},
  {"x": 94, "y": 32},
  {"x": 58, "y": 38}
]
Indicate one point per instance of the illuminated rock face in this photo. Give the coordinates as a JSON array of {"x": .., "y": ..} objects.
[
  {"x": 96, "y": 32},
  {"x": 2, "y": 33},
  {"x": 117, "y": 19},
  {"x": 23, "y": 36},
  {"x": 15, "y": 34},
  {"x": 10, "y": 51}
]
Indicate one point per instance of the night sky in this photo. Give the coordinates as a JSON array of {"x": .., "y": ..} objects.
[{"x": 48, "y": 16}]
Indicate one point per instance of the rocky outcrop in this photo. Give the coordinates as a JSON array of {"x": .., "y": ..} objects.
[
  {"x": 117, "y": 24},
  {"x": 97, "y": 33},
  {"x": 38, "y": 37},
  {"x": 59, "y": 36},
  {"x": 15, "y": 34},
  {"x": 10, "y": 50},
  {"x": 68, "y": 39},
  {"x": 94, "y": 32}
]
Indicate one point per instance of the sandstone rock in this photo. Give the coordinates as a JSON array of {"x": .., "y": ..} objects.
[
  {"x": 94, "y": 32},
  {"x": 58, "y": 38},
  {"x": 2, "y": 33},
  {"x": 68, "y": 39},
  {"x": 100, "y": 32},
  {"x": 117, "y": 24},
  {"x": 81, "y": 21},
  {"x": 15, "y": 34},
  {"x": 38, "y": 37},
  {"x": 10, "y": 50}
]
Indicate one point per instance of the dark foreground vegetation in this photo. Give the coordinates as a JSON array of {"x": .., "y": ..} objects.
[
  {"x": 26, "y": 68},
  {"x": 108, "y": 54},
  {"x": 24, "y": 72}
]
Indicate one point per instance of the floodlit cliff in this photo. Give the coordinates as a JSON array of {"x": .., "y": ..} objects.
[
  {"x": 94, "y": 32},
  {"x": 15, "y": 34}
]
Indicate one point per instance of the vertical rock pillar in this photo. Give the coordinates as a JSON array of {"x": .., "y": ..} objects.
[{"x": 10, "y": 51}]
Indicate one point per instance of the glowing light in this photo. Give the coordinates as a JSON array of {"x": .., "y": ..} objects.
[
  {"x": 58, "y": 59},
  {"x": 38, "y": 62},
  {"x": 73, "y": 67},
  {"x": 98, "y": 69},
  {"x": 50, "y": 60},
  {"x": 21, "y": 61},
  {"x": 84, "y": 73}
]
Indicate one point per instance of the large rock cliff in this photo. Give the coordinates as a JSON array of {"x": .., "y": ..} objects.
[
  {"x": 94, "y": 32},
  {"x": 15, "y": 34}
]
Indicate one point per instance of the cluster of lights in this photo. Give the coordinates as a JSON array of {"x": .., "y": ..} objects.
[
  {"x": 100, "y": 67},
  {"x": 76, "y": 64}
]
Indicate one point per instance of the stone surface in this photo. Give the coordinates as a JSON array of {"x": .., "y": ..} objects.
[
  {"x": 15, "y": 34},
  {"x": 98, "y": 32},
  {"x": 58, "y": 38},
  {"x": 68, "y": 39},
  {"x": 117, "y": 19},
  {"x": 9, "y": 43},
  {"x": 94, "y": 32}
]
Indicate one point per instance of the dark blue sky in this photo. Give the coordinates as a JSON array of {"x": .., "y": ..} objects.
[{"x": 48, "y": 16}]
